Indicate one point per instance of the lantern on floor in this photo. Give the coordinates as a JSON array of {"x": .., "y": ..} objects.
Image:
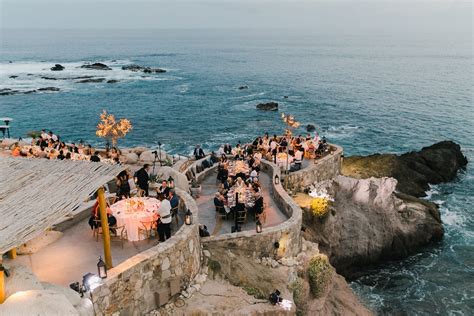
[
  {"x": 258, "y": 226},
  {"x": 101, "y": 268},
  {"x": 170, "y": 182},
  {"x": 188, "y": 218},
  {"x": 277, "y": 179}
]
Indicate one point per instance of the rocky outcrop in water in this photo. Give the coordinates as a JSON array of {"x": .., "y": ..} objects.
[
  {"x": 92, "y": 80},
  {"x": 7, "y": 91},
  {"x": 414, "y": 171},
  {"x": 369, "y": 222},
  {"x": 57, "y": 67},
  {"x": 243, "y": 87},
  {"x": 269, "y": 106},
  {"x": 148, "y": 70},
  {"x": 96, "y": 66},
  {"x": 112, "y": 81}
]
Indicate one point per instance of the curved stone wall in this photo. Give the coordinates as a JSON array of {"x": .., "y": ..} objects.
[
  {"x": 251, "y": 243},
  {"x": 142, "y": 283},
  {"x": 322, "y": 169}
]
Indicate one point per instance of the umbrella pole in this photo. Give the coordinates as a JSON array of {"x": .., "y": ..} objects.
[{"x": 105, "y": 227}]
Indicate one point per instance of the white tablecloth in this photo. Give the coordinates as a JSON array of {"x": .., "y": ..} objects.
[{"x": 132, "y": 220}]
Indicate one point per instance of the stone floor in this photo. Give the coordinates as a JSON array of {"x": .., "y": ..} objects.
[
  {"x": 207, "y": 210},
  {"x": 77, "y": 253}
]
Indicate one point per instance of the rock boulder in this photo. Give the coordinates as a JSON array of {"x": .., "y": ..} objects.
[
  {"x": 269, "y": 106},
  {"x": 57, "y": 67},
  {"x": 414, "y": 171},
  {"x": 96, "y": 66}
]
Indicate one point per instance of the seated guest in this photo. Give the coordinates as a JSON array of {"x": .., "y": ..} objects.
[
  {"x": 239, "y": 183},
  {"x": 52, "y": 154},
  {"x": 44, "y": 135},
  {"x": 219, "y": 200},
  {"x": 73, "y": 148},
  {"x": 114, "y": 153},
  {"x": 173, "y": 198},
  {"x": 95, "y": 157},
  {"x": 253, "y": 174},
  {"x": 53, "y": 137},
  {"x": 68, "y": 155},
  {"x": 61, "y": 155},
  {"x": 228, "y": 183},
  {"x": 221, "y": 152},
  {"x": 16, "y": 150},
  {"x": 213, "y": 158},
  {"x": 227, "y": 149},
  {"x": 95, "y": 216},
  {"x": 163, "y": 189},
  {"x": 142, "y": 178},
  {"x": 198, "y": 152}
]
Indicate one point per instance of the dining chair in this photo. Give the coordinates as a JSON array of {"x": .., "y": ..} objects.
[
  {"x": 118, "y": 233},
  {"x": 140, "y": 193},
  {"x": 220, "y": 212},
  {"x": 242, "y": 217},
  {"x": 97, "y": 230},
  {"x": 146, "y": 228},
  {"x": 174, "y": 214}
]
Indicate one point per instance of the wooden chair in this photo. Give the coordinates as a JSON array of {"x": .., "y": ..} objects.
[
  {"x": 140, "y": 193},
  {"x": 146, "y": 228},
  {"x": 97, "y": 230},
  {"x": 174, "y": 214},
  {"x": 220, "y": 212},
  {"x": 242, "y": 217},
  {"x": 118, "y": 233}
]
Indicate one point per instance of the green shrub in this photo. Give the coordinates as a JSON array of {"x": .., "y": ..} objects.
[
  {"x": 257, "y": 293},
  {"x": 319, "y": 274},
  {"x": 299, "y": 292},
  {"x": 214, "y": 265}
]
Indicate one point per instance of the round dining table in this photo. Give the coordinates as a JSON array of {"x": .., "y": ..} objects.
[{"x": 131, "y": 212}]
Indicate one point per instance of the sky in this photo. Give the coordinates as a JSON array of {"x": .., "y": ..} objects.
[{"x": 440, "y": 16}]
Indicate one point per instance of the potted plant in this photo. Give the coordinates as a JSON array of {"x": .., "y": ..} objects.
[{"x": 195, "y": 188}]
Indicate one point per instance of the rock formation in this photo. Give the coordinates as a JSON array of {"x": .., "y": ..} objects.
[
  {"x": 57, "y": 67},
  {"x": 269, "y": 106},
  {"x": 138, "y": 68},
  {"x": 414, "y": 171},
  {"x": 369, "y": 223},
  {"x": 310, "y": 128},
  {"x": 93, "y": 80},
  {"x": 243, "y": 87},
  {"x": 7, "y": 91},
  {"x": 96, "y": 66}
]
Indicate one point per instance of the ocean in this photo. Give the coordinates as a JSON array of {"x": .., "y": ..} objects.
[{"x": 370, "y": 94}]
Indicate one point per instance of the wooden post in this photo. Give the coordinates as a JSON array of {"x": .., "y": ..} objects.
[
  {"x": 2, "y": 283},
  {"x": 105, "y": 227},
  {"x": 12, "y": 253}
]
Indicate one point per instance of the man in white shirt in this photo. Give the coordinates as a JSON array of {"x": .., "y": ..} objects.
[{"x": 164, "y": 222}]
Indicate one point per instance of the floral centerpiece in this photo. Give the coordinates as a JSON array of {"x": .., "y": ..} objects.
[{"x": 134, "y": 205}]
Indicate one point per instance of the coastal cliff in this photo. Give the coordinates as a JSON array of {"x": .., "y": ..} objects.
[
  {"x": 370, "y": 223},
  {"x": 376, "y": 214},
  {"x": 415, "y": 171}
]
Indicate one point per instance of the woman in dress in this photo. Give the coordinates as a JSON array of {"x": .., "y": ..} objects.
[{"x": 123, "y": 185}]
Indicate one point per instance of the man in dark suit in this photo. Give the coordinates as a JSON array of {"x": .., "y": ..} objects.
[
  {"x": 142, "y": 178},
  {"x": 198, "y": 152}
]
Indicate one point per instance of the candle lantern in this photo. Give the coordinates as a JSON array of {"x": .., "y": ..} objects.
[
  {"x": 277, "y": 179},
  {"x": 101, "y": 268},
  {"x": 259, "y": 226},
  {"x": 188, "y": 218}
]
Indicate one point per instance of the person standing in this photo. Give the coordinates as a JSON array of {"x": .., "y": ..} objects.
[
  {"x": 164, "y": 222},
  {"x": 198, "y": 152},
  {"x": 142, "y": 178}
]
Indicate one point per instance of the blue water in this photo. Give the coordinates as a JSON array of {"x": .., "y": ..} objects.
[{"x": 368, "y": 94}]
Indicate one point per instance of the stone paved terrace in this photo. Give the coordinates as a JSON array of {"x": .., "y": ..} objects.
[
  {"x": 76, "y": 253},
  {"x": 207, "y": 210}
]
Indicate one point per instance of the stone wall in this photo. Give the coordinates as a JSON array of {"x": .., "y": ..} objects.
[
  {"x": 325, "y": 168},
  {"x": 143, "y": 283},
  {"x": 251, "y": 243}
]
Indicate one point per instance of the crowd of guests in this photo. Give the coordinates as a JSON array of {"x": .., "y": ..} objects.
[
  {"x": 126, "y": 185},
  {"x": 50, "y": 146}
]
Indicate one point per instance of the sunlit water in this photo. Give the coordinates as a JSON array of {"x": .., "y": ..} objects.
[{"x": 379, "y": 94}]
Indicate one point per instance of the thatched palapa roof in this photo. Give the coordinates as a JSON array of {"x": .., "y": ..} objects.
[{"x": 35, "y": 193}]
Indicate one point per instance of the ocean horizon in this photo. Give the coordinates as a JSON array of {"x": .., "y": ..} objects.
[{"x": 367, "y": 93}]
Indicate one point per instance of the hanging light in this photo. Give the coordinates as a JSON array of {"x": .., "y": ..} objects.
[
  {"x": 258, "y": 227},
  {"x": 188, "y": 218},
  {"x": 170, "y": 182},
  {"x": 101, "y": 268},
  {"x": 277, "y": 179}
]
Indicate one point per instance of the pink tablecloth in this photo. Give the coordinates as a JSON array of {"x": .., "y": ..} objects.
[{"x": 132, "y": 220}]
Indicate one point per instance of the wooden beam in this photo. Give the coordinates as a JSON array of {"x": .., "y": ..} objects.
[
  {"x": 12, "y": 253},
  {"x": 105, "y": 228}
]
